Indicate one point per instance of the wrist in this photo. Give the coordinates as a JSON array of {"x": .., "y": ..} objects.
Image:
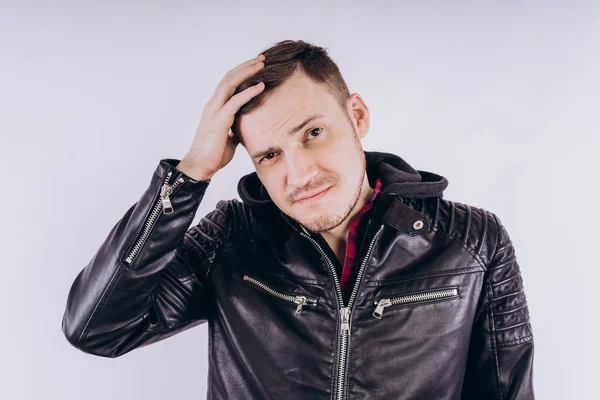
[{"x": 194, "y": 171}]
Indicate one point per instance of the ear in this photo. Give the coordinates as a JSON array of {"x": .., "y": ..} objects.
[
  {"x": 235, "y": 132},
  {"x": 359, "y": 114}
]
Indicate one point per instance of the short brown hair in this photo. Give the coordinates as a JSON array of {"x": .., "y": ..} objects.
[{"x": 281, "y": 61}]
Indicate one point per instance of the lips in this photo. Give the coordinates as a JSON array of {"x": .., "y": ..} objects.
[{"x": 313, "y": 194}]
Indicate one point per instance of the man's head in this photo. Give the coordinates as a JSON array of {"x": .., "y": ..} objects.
[{"x": 303, "y": 135}]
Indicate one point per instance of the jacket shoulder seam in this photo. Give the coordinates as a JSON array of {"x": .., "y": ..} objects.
[
  {"x": 464, "y": 246},
  {"x": 459, "y": 224}
]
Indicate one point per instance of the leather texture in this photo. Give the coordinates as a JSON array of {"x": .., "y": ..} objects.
[{"x": 458, "y": 328}]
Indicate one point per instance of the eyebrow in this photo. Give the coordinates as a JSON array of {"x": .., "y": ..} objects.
[{"x": 291, "y": 132}]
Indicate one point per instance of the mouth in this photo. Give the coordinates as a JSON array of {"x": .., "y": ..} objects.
[{"x": 313, "y": 198}]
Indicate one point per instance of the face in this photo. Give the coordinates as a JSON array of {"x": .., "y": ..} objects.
[{"x": 302, "y": 142}]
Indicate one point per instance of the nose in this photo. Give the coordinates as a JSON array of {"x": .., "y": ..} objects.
[{"x": 301, "y": 169}]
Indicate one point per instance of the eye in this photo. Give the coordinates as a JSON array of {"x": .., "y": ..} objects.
[
  {"x": 316, "y": 129},
  {"x": 266, "y": 157}
]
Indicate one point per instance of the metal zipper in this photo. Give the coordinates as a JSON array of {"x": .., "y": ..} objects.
[
  {"x": 162, "y": 202},
  {"x": 344, "y": 311},
  {"x": 300, "y": 300},
  {"x": 412, "y": 298}
]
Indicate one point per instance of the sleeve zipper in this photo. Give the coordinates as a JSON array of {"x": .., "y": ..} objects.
[{"x": 164, "y": 203}]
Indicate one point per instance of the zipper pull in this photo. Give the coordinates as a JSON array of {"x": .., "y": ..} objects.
[
  {"x": 301, "y": 301},
  {"x": 380, "y": 306},
  {"x": 345, "y": 317},
  {"x": 165, "y": 192}
]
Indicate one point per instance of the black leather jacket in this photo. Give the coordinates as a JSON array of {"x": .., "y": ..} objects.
[{"x": 437, "y": 312}]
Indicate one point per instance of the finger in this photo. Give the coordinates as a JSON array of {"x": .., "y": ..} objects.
[
  {"x": 235, "y": 102},
  {"x": 232, "y": 80},
  {"x": 222, "y": 93}
]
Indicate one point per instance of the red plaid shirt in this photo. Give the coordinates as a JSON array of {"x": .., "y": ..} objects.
[{"x": 351, "y": 244}]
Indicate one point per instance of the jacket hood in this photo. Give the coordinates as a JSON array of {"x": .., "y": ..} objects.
[{"x": 396, "y": 175}]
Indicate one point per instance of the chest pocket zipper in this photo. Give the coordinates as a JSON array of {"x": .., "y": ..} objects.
[
  {"x": 301, "y": 301},
  {"x": 413, "y": 298}
]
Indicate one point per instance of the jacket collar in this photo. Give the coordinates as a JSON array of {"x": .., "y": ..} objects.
[{"x": 400, "y": 180}]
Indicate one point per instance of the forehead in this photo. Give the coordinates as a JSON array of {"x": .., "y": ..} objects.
[{"x": 296, "y": 99}]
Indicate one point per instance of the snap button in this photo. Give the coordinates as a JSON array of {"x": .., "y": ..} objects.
[{"x": 418, "y": 224}]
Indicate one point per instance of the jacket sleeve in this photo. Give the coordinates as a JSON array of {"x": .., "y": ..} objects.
[
  {"x": 500, "y": 363},
  {"x": 147, "y": 281}
]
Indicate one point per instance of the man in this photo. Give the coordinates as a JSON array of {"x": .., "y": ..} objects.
[{"x": 342, "y": 273}]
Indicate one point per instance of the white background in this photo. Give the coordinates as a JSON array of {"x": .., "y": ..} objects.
[{"x": 501, "y": 98}]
